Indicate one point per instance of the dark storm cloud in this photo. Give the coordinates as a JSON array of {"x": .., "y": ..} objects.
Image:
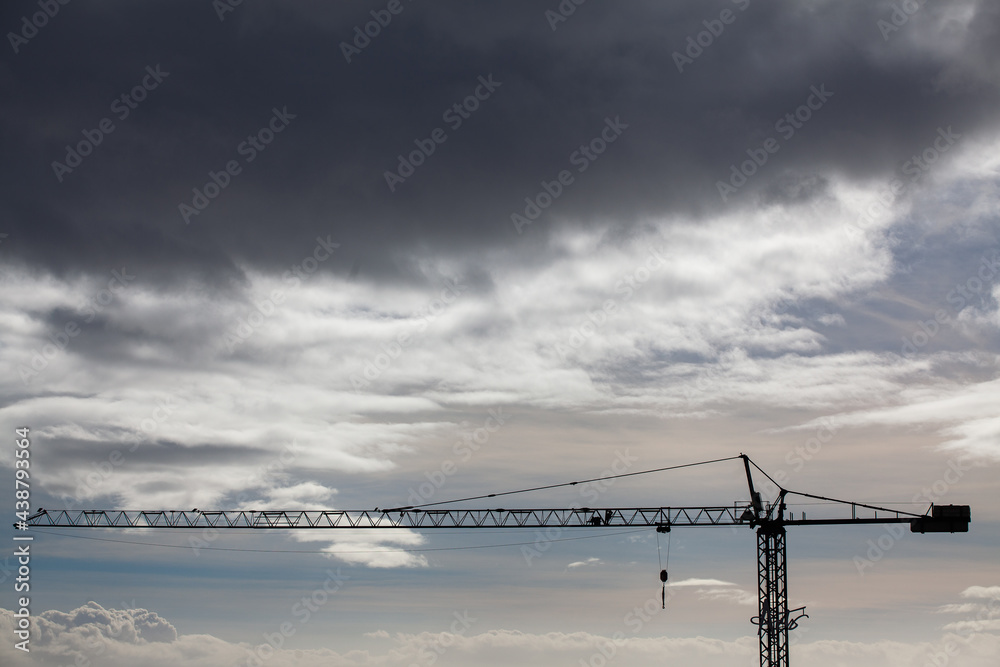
[
  {"x": 159, "y": 453},
  {"x": 343, "y": 125},
  {"x": 107, "y": 467}
]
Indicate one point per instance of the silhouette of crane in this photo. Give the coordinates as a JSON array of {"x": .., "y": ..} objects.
[{"x": 773, "y": 620}]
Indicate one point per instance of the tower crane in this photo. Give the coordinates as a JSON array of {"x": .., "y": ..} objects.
[{"x": 773, "y": 620}]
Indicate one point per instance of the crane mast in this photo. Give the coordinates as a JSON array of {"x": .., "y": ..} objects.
[{"x": 774, "y": 619}]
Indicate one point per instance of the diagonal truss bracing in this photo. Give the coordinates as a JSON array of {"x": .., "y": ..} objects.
[{"x": 415, "y": 518}]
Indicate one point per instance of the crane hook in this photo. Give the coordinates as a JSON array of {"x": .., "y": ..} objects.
[{"x": 663, "y": 571}]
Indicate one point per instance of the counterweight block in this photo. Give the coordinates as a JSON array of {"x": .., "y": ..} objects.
[{"x": 944, "y": 519}]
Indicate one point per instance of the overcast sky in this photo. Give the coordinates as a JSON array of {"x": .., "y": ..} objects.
[{"x": 354, "y": 255}]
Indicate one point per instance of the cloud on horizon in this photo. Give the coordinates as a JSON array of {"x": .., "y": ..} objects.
[{"x": 122, "y": 638}]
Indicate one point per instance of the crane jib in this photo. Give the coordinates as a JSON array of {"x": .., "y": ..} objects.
[
  {"x": 942, "y": 518},
  {"x": 774, "y": 619}
]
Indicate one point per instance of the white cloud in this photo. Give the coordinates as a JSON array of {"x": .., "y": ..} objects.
[
  {"x": 732, "y": 595},
  {"x": 700, "y": 582},
  {"x": 303, "y": 496},
  {"x": 378, "y": 548},
  {"x": 965, "y": 414},
  {"x": 832, "y": 319},
  {"x": 957, "y": 608},
  {"x": 981, "y": 615},
  {"x": 124, "y": 638},
  {"x": 966, "y": 627},
  {"x": 716, "y": 590},
  {"x": 982, "y": 592}
]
